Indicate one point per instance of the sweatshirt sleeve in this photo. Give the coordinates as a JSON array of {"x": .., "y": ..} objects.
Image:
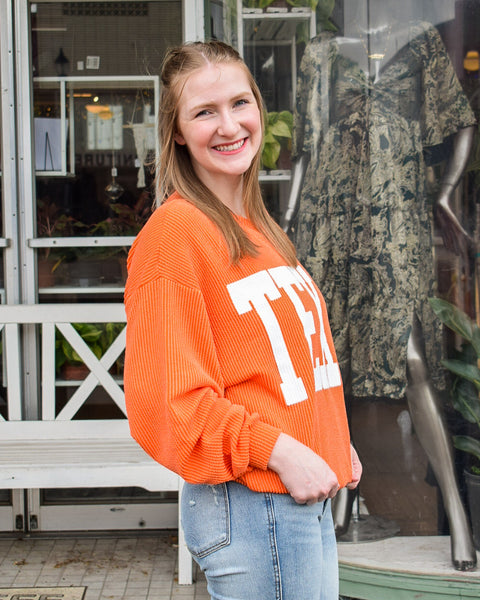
[{"x": 174, "y": 390}]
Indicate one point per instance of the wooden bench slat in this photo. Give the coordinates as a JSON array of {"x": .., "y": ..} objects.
[{"x": 110, "y": 475}]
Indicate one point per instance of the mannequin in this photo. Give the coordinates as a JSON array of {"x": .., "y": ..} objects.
[{"x": 368, "y": 104}]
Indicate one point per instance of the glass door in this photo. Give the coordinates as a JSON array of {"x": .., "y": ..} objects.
[
  {"x": 11, "y": 502},
  {"x": 84, "y": 91}
]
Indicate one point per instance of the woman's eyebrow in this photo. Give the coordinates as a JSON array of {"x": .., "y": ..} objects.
[{"x": 212, "y": 103}]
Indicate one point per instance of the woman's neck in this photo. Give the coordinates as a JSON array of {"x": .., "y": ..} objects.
[{"x": 230, "y": 191}]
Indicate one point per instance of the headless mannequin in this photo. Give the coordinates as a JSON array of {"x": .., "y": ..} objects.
[{"x": 423, "y": 402}]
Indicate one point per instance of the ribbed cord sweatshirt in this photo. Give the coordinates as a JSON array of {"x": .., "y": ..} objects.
[{"x": 222, "y": 358}]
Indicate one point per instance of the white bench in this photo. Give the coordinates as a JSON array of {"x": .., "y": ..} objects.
[{"x": 60, "y": 451}]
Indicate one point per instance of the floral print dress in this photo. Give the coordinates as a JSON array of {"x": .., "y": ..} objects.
[{"x": 364, "y": 223}]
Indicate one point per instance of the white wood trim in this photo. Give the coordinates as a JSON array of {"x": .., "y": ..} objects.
[
  {"x": 116, "y": 516},
  {"x": 12, "y": 358},
  {"x": 48, "y": 371},
  {"x": 193, "y": 20},
  {"x": 185, "y": 563},
  {"x": 7, "y": 518},
  {"x": 62, "y": 313},
  {"x": 9, "y": 151},
  {"x": 73, "y": 430}
]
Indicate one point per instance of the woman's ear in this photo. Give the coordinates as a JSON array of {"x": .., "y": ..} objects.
[{"x": 179, "y": 139}]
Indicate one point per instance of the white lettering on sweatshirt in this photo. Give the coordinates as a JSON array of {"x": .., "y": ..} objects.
[{"x": 257, "y": 292}]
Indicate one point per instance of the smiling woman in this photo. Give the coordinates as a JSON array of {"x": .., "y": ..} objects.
[{"x": 231, "y": 378}]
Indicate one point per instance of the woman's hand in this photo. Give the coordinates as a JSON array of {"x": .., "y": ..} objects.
[
  {"x": 306, "y": 475},
  {"x": 356, "y": 469}
]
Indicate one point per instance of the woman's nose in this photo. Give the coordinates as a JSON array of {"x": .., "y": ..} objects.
[{"x": 228, "y": 125}]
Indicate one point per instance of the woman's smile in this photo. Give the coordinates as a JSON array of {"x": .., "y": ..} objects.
[{"x": 231, "y": 148}]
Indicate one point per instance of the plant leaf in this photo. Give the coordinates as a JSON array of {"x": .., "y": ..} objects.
[
  {"x": 269, "y": 139},
  {"x": 452, "y": 317},
  {"x": 287, "y": 117},
  {"x": 270, "y": 155},
  {"x": 466, "y": 400},
  {"x": 462, "y": 369},
  {"x": 468, "y": 444},
  {"x": 281, "y": 129}
]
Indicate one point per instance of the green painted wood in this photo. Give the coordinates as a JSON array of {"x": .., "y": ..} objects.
[{"x": 366, "y": 583}]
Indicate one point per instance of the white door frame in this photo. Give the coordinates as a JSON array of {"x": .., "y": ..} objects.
[
  {"x": 13, "y": 515},
  {"x": 18, "y": 180}
]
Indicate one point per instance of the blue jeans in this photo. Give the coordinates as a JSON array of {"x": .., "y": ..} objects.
[{"x": 260, "y": 546}]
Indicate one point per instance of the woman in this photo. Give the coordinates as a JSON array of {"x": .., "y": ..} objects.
[{"x": 231, "y": 378}]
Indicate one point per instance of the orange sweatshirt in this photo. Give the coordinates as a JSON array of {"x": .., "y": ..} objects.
[{"x": 221, "y": 358}]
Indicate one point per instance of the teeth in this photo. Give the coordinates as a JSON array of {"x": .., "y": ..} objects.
[{"x": 230, "y": 147}]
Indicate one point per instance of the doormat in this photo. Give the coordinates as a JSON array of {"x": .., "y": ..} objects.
[{"x": 42, "y": 593}]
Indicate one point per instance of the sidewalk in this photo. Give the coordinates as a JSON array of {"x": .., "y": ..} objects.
[{"x": 111, "y": 568}]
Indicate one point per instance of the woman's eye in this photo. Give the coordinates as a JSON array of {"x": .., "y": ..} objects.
[
  {"x": 241, "y": 102},
  {"x": 202, "y": 113}
]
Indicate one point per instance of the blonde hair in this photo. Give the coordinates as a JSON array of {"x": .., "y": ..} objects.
[{"x": 176, "y": 172}]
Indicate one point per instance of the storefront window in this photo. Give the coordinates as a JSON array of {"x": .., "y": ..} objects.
[
  {"x": 371, "y": 164},
  {"x": 96, "y": 91},
  {"x": 95, "y": 70}
]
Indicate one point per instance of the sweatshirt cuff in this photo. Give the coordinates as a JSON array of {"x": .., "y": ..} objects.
[{"x": 263, "y": 438}]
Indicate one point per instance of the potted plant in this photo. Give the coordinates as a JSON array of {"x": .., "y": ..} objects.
[
  {"x": 278, "y": 135},
  {"x": 125, "y": 220},
  {"x": 466, "y": 398},
  {"x": 51, "y": 222},
  {"x": 92, "y": 265},
  {"x": 98, "y": 337}
]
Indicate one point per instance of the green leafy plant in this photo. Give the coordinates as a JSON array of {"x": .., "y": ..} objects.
[
  {"x": 126, "y": 220},
  {"x": 306, "y": 3},
  {"x": 278, "y": 135},
  {"x": 323, "y": 10},
  {"x": 98, "y": 337},
  {"x": 257, "y": 3},
  {"x": 466, "y": 385},
  {"x": 52, "y": 222}
]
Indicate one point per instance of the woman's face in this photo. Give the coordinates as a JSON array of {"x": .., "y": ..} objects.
[{"x": 219, "y": 122}]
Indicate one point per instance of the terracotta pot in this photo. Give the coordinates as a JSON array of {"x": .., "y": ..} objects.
[
  {"x": 45, "y": 276},
  {"x": 74, "y": 372}
]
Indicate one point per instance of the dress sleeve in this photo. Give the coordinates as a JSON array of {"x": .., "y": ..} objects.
[
  {"x": 445, "y": 108},
  {"x": 299, "y": 114},
  {"x": 311, "y": 113},
  {"x": 174, "y": 391}
]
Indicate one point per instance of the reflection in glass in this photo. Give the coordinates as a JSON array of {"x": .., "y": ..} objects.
[
  {"x": 385, "y": 110},
  {"x": 376, "y": 106}
]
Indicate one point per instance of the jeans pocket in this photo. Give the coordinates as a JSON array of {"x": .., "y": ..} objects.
[{"x": 205, "y": 518}]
